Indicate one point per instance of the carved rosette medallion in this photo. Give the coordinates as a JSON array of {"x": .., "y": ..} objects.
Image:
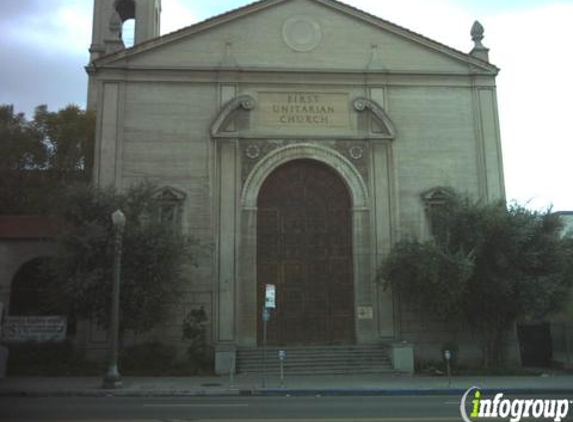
[
  {"x": 302, "y": 33},
  {"x": 253, "y": 152},
  {"x": 356, "y": 152}
]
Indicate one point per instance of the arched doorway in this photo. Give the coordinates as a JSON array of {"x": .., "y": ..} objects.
[
  {"x": 30, "y": 293},
  {"x": 304, "y": 247},
  {"x": 35, "y": 292}
]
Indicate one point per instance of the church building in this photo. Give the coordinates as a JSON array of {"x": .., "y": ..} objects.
[{"x": 297, "y": 141}]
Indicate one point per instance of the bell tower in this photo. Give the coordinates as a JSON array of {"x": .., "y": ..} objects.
[{"x": 109, "y": 16}]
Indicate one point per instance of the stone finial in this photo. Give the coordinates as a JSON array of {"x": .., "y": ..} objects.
[
  {"x": 477, "y": 33},
  {"x": 479, "y": 51}
]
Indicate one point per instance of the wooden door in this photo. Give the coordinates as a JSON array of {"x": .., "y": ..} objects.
[{"x": 304, "y": 247}]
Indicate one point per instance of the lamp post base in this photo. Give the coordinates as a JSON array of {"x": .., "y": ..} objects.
[{"x": 112, "y": 380}]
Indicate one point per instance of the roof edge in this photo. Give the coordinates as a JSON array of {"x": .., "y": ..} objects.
[{"x": 260, "y": 5}]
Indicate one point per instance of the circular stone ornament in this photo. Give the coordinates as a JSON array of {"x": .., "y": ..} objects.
[
  {"x": 356, "y": 152},
  {"x": 301, "y": 33},
  {"x": 253, "y": 152}
]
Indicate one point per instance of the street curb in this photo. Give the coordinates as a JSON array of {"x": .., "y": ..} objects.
[
  {"x": 284, "y": 392},
  {"x": 121, "y": 393},
  {"x": 410, "y": 392}
]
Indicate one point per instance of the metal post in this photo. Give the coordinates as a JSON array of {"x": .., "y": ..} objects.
[
  {"x": 565, "y": 341},
  {"x": 568, "y": 337},
  {"x": 282, "y": 356},
  {"x": 265, "y": 319},
  {"x": 449, "y": 374},
  {"x": 112, "y": 378},
  {"x": 232, "y": 372},
  {"x": 448, "y": 356}
]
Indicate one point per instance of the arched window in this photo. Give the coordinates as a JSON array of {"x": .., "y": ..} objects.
[
  {"x": 128, "y": 33},
  {"x": 126, "y": 11}
]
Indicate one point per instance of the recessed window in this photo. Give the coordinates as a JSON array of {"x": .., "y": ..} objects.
[
  {"x": 170, "y": 206},
  {"x": 434, "y": 200}
]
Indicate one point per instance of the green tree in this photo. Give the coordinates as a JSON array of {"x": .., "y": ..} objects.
[
  {"x": 69, "y": 134},
  {"x": 153, "y": 261},
  {"x": 22, "y": 144},
  {"x": 489, "y": 265},
  {"x": 24, "y": 155},
  {"x": 41, "y": 154}
]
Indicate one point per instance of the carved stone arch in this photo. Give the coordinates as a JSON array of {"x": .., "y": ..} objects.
[
  {"x": 349, "y": 173},
  {"x": 245, "y": 102},
  {"x": 388, "y": 130},
  {"x": 125, "y": 9}
]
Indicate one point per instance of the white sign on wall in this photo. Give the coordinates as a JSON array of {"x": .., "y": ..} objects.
[
  {"x": 289, "y": 112},
  {"x": 365, "y": 312},
  {"x": 34, "y": 328},
  {"x": 270, "y": 296}
]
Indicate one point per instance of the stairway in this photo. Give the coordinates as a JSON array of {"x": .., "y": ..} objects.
[{"x": 317, "y": 360}]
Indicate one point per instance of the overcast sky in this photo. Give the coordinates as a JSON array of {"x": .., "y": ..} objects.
[{"x": 43, "y": 51}]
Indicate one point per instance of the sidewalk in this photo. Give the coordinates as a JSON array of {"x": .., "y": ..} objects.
[{"x": 251, "y": 385}]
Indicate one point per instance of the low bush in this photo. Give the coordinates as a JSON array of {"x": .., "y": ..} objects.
[
  {"x": 150, "y": 356},
  {"x": 157, "y": 359},
  {"x": 195, "y": 332},
  {"x": 48, "y": 359},
  {"x": 34, "y": 353}
]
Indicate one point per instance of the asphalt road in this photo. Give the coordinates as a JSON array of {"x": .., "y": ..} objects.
[
  {"x": 235, "y": 409},
  {"x": 232, "y": 409}
]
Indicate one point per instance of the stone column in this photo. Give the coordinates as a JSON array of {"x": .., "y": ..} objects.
[
  {"x": 225, "y": 349},
  {"x": 247, "y": 290},
  {"x": 382, "y": 204},
  {"x": 491, "y": 145},
  {"x": 106, "y": 143},
  {"x": 363, "y": 277},
  {"x": 228, "y": 202}
]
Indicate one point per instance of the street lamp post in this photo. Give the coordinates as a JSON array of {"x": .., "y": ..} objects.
[{"x": 112, "y": 378}]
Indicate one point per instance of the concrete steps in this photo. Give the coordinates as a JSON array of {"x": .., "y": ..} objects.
[{"x": 317, "y": 360}]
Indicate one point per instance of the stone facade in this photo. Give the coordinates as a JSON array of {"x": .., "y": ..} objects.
[{"x": 212, "y": 110}]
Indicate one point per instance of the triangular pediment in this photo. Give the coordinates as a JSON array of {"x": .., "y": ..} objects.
[
  {"x": 293, "y": 35},
  {"x": 169, "y": 194},
  {"x": 437, "y": 195}
]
